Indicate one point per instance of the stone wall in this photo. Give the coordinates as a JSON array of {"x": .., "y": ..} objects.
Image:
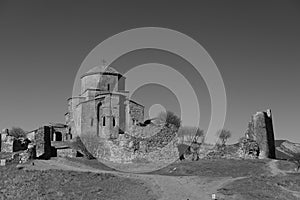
[
  {"x": 66, "y": 152},
  {"x": 161, "y": 147}
]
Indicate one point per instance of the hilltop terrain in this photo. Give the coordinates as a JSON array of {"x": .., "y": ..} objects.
[{"x": 79, "y": 178}]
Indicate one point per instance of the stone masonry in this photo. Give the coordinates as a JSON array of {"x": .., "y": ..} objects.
[
  {"x": 103, "y": 108},
  {"x": 42, "y": 142}
]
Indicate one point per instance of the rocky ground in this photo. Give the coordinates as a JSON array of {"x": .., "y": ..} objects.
[{"x": 55, "y": 183}]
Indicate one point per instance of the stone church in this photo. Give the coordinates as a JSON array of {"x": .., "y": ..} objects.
[{"x": 103, "y": 108}]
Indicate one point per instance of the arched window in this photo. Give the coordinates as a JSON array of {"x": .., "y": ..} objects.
[
  {"x": 103, "y": 121},
  {"x": 114, "y": 122},
  {"x": 108, "y": 87},
  {"x": 98, "y": 117}
]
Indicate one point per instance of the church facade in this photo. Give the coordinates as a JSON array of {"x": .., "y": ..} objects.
[{"x": 103, "y": 107}]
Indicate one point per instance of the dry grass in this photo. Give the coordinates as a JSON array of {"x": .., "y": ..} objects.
[
  {"x": 58, "y": 184},
  {"x": 286, "y": 165}
]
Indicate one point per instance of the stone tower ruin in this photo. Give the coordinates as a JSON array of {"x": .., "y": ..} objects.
[{"x": 260, "y": 129}]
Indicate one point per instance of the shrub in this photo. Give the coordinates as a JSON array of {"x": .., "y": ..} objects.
[
  {"x": 191, "y": 134},
  {"x": 242, "y": 139},
  {"x": 17, "y": 132},
  {"x": 170, "y": 118}
]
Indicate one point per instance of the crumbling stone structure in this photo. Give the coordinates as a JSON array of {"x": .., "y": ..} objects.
[
  {"x": 160, "y": 147},
  {"x": 260, "y": 130},
  {"x": 189, "y": 152},
  {"x": 42, "y": 142},
  {"x": 11, "y": 144},
  {"x": 248, "y": 149},
  {"x": 59, "y": 132},
  {"x": 7, "y": 142}
]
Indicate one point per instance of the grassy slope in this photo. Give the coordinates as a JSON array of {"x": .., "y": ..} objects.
[
  {"x": 263, "y": 187},
  {"x": 215, "y": 168},
  {"x": 258, "y": 183}
]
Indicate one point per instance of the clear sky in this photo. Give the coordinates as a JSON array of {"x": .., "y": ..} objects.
[{"x": 255, "y": 45}]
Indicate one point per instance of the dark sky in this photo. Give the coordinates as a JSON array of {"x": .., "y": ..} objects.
[{"x": 255, "y": 45}]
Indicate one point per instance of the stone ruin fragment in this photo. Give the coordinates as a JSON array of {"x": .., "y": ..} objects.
[
  {"x": 24, "y": 149},
  {"x": 11, "y": 144},
  {"x": 258, "y": 141},
  {"x": 260, "y": 136}
]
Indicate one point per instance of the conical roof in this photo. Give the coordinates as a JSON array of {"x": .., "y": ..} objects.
[{"x": 101, "y": 69}]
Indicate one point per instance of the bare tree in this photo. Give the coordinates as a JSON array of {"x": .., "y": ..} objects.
[
  {"x": 191, "y": 134},
  {"x": 223, "y": 135},
  {"x": 199, "y": 134}
]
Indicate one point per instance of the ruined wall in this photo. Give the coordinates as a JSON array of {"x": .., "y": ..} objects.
[
  {"x": 162, "y": 147},
  {"x": 7, "y": 143},
  {"x": 136, "y": 112},
  {"x": 260, "y": 129},
  {"x": 270, "y": 134},
  {"x": 66, "y": 152},
  {"x": 59, "y": 133},
  {"x": 42, "y": 142},
  {"x": 30, "y": 135}
]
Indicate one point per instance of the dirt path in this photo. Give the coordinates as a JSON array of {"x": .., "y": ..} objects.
[{"x": 166, "y": 187}]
